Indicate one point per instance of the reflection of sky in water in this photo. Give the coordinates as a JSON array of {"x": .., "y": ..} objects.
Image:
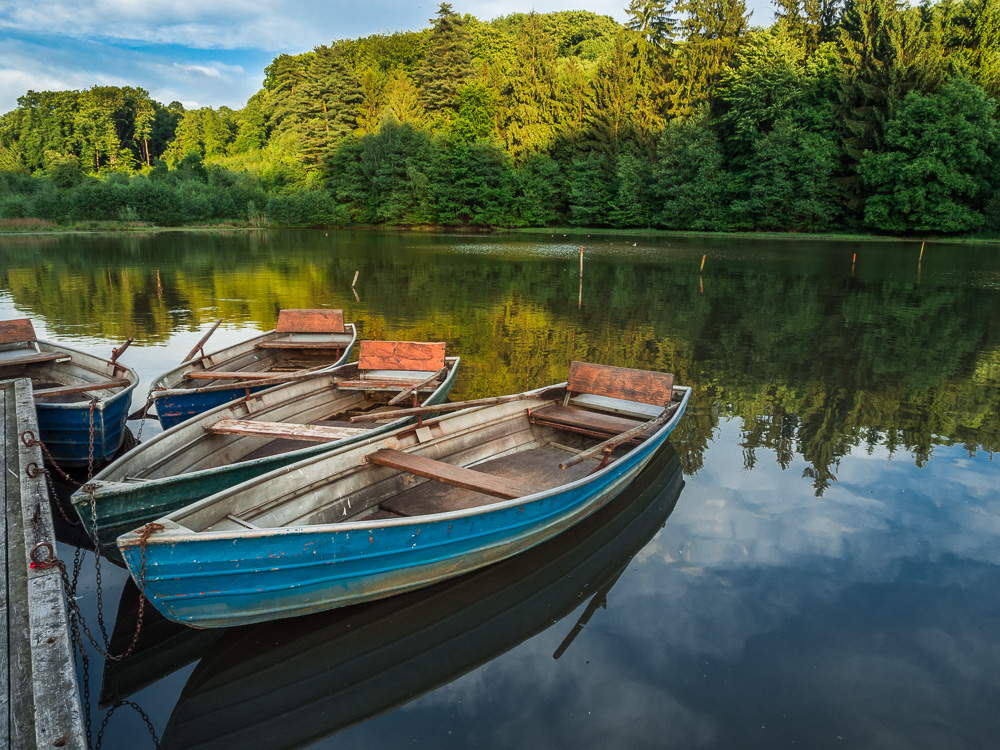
[{"x": 762, "y": 616}]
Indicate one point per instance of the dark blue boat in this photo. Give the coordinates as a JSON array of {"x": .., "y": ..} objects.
[
  {"x": 303, "y": 340},
  {"x": 82, "y": 400},
  {"x": 362, "y": 522}
]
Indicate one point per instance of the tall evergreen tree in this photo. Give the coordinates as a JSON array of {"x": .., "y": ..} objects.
[
  {"x": 712, "y": 30},
  {"x": 652, "y": 19},
  {"x": 327, "y": 102},
  {"x": 447, "y": 62},
  {"x": 530, "y": 108},
  {"x": 883, "y": 55},
  {"x": 402, "y": 101},
  {"x": 812, "y": 22}
]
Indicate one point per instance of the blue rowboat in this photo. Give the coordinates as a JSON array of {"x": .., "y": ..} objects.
[
  {"x": 81, "y": 400},
  {"x": 288, "y": 684},
  {"x": 414, "y": 507},
  {"x": 302, "y": 340},
  {"x": 259, "y": 433}
]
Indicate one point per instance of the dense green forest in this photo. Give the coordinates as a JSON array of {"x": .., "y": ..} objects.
[{"x": 865, "y": 114}]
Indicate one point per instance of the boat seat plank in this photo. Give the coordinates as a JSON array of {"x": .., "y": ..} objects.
[
  {"x": 70, "y": 389},
  {"x": 402, "y": 355},
  {"x": 588, "y": 422},
  {"x": 34, "y": 359},
  {"x": 457, "y": 476},
  {"x": 537, "y": 467},
  {"x": 288, "y": 430},
  {"x": 381, "y": 385},
  {"x": 621, "y": 382},
  {"x": 310, "y": 321},
  {"x": 16, "y": 331},
  {"x": 286, "y": 344}
]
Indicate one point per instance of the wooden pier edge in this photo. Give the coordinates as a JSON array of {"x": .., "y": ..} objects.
[{"x": 43, "y": 699}]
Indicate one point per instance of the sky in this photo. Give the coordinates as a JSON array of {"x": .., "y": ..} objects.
[{"x": 209, "y": 52}]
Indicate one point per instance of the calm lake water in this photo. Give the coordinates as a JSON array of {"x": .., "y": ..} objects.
[{"x": 813, "y": 563}]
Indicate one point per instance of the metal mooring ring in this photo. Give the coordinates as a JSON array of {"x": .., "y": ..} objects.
[
  {"x": 32, "y": 470},
  {"x": 37, "y": 559},
  {"x": 26, "y": 440}
]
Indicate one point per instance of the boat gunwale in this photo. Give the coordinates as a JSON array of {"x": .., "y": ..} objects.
[{"x": 180, "y": 534}]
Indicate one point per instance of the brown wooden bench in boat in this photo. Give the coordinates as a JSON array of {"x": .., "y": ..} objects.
[
  {"x": 585, "y": 422},
  {"x": 456, "y": 476},
  {"x": 613, "y": 382},
  {"x": 289, "y": 430},
  {"x": 20, "y": 331},
  {"x": 396, "y": 356},
  {"x": 292, "y": 322}
]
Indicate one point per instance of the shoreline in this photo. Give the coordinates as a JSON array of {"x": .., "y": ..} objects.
[{"x": 551, "y": 231}]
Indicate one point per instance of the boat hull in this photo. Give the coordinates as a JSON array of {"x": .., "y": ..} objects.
[
  {"x": 223, "y": 579},
  {"x": 122, "y": 507},
  {"x": 290, "y": 684}
]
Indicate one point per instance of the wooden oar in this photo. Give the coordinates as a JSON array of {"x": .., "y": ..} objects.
[
  {"x": 259, "y": 377},
  {"x": 290, "y": 378},
  {"x": 200, "y": 344},
  {"x": 457, "y": 405},
  {"x": 612, "y": 443},
  {"x": 443, "y": 372}
]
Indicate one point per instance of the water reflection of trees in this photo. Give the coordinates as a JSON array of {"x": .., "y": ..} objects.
[{"x": 813, "y": 364}]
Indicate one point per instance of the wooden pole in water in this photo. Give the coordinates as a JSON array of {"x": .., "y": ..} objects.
[
  {"x": 920, "y": 259},
  {"x": 702, "y": 263},
  {"x": 355, "y": 279},
  {"x": 579, "y": 299}
]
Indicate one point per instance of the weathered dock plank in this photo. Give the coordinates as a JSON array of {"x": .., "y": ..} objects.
[{"x": 41, "y": 700}]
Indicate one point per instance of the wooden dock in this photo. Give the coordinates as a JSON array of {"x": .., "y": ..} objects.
[{"x": 41, "y": 700}]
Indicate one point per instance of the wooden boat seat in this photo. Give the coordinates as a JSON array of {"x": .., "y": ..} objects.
[
  {"x": 456, "y": 476},
  {"x": 381, "y": 385},
  {"x": 620, "y": 383},
  {"x": 294, "y": 322},
  {"x": 291, "y": 431},
  {"x": 71, "y": 389},
  {"x": 290, "y": 343},
  {"x": 19, "y": 331},
  {"x": 582, "y": 421},
  {"x": 398, "y": 365},
  {"x": 34, "y": 359}
]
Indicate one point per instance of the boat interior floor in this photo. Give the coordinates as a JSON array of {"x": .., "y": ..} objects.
[{"x": 537, "y": 467}]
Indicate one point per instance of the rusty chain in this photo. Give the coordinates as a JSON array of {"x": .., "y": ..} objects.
[
  {"x": 29, "y": 439},
  {"x": 147, "y": 530}
]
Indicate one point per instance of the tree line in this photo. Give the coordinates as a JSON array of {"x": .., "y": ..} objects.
[{"x": 856, "y": 114}]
